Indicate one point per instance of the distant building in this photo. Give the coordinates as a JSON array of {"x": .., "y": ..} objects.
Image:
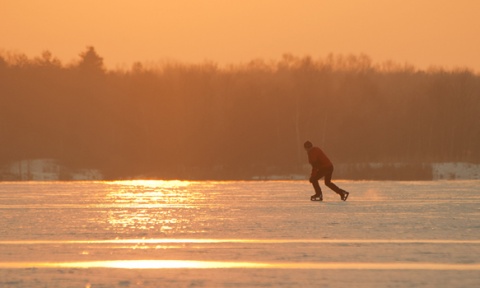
[
  {"x": 38, "y": 169},
  {"x": 87, "y": 174},
  {"x": 45, "y": 170},
  {"x": 449, "y": 171}
]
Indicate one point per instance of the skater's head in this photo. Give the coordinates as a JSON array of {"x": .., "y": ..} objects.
[{"x": 307, "y": 145}]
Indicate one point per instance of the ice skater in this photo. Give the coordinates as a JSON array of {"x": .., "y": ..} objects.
[{"x": 321, "y": 167}]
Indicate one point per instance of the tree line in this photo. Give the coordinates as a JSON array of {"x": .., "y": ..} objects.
[{"x": 203, "y": 121}]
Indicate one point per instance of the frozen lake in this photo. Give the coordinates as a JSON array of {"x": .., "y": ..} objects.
[{"x": 239, "y": 234}]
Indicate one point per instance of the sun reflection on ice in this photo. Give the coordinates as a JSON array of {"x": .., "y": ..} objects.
[
  {"x": 150, "y": 205},
  {"x": 153, "y": 183},
  {"x": 197, "y": 264}
]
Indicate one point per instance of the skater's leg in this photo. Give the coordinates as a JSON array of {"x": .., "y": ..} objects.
[
  {"x": 328, "y": 182},
  {"x": 316, "y": 187}
]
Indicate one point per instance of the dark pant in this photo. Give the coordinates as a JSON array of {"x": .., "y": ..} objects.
[{"x": 327, "y": 173}]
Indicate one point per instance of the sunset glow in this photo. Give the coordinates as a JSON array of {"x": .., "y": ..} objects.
[
  {"x": 161, "y": 143},
  {"x": 423, "y": 33}
]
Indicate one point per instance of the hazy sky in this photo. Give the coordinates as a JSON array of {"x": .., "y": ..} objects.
[{"x": 420, "y": 32}]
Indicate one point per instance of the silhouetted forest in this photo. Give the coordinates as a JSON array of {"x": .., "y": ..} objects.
[{"x": 198, "y": 121}]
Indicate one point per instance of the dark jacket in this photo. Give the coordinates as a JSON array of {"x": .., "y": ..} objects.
[{"x": 318, "y": 160}]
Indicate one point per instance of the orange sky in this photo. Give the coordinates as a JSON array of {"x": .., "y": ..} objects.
[{"x": 420, "y": 32}]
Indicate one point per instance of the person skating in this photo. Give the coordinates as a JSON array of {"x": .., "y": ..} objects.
[{"x": 321, "y": 167}]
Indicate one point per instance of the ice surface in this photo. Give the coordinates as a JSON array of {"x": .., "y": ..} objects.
[{"x": 240, "y": 234}]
